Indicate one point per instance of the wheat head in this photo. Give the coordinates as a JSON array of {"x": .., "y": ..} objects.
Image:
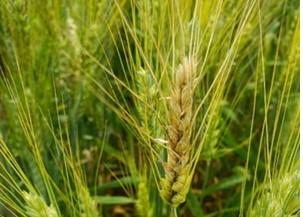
[{"x": 176, "y": 183}]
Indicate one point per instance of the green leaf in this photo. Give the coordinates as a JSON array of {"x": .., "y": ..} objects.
[
  {"x": 118, "y": 183},
  {"x": 110, "y": 200},
  {"x": 226, "y": 183},
  {"x": 194, "y": 205},
  {"x": 108, "y": 149}
]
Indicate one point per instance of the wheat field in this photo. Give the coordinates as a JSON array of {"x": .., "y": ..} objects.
[{"x": 121, "y": 108}]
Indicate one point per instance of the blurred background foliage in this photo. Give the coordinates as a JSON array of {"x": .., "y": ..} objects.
[{"x": 78, "y": 82}]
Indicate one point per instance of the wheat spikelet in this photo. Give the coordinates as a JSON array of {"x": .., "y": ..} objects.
[
  {"x": 88, "y": 205},
  {"x": 177, "y": 179},
  {"x": 35, "y": 206},
  {"x": 280, "y": 199},
  {"x": 143, "y": 206}
]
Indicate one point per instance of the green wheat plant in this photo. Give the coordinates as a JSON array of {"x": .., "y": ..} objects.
[{"x": 149, "y": 108}]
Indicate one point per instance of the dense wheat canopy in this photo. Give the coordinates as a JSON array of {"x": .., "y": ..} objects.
[{"x": 149, "y": 108}]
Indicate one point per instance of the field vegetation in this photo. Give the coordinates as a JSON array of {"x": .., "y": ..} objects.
[{"x": 149, "y": 108}]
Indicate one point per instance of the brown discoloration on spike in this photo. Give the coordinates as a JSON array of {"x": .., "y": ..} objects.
[{"x": 176, "y": 182}]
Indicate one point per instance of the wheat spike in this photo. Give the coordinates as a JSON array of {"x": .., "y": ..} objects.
[
  {"x": 35, "y": 206},
  {"x": 143, "y": 205},
  {"x": 176, "y": 183}
]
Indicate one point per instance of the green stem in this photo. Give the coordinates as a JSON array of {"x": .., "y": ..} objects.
[{"x": 175, "y": 213}]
